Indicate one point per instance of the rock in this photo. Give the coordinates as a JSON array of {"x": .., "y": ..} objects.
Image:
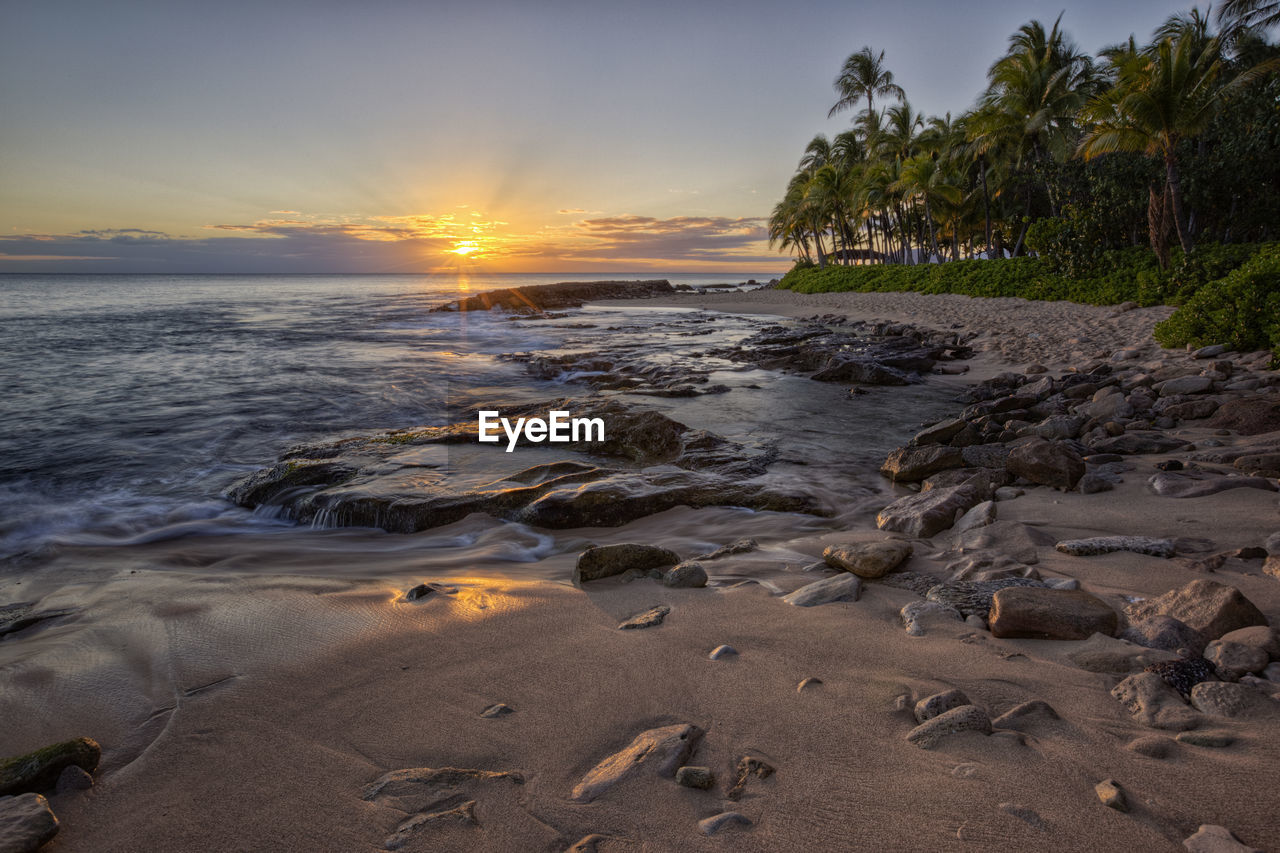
[
  {"x": 1232, "y": 660},
  {"x": 940, "y": 433},
  {"x": 1152, "y": 746},
  {"x": 424, "y": 590},
  {"x": 939, "y": 703},
  {"x": 1024, "y": 814},
  {"x": 1185, "y": 385},
  {"x": 661, "y": 751},
  {"x": 499, "y": 710},
  {"x": 807, "y": 683},
  {"x": 918, "y": 582},
  {"x": 73, "y": 779},
  {"x": 1154, "y": 703},
  {"x": 1182, "y": 674},
  {"x": 26, "y": 823},
  {"x": 1008, "y": 493},
  {"x": 649, "y": 618},
  {"x": 868, "y": 559},
  {"x": 1061, "y": 583},
  {"x": 686, "y": 575},
  {"x": 1111, "y": 795},
  {"x": 1191, "y": 410},
  {"x": 1048, "y": 463},
  {"x": 974, "y": 597},
  {"x": 1135, "y": 444},
  {"x": 1272, "y": 673},
  {"x": 722, "y": 652},
  {"x": 1092, "y": 484},
  {"x": 1110, "y": 655},
  {"x": 21, "y": 615},
  {"x": 1210, "y": 838},
  {"x": 417, "y": 789},
  {"x": 1198, "y": 484},
  {"x": 1206, "y": 739},
  {"x": 918, "y": 613},
  {"x": 842, "y": 587},
  {"x": 607, "y": 560},
  {"x": 1211, "y": 351},
  {"x": 715, "y": 823},
  {"x": 1108, "y": 544},
  {"x": 993, "y": 456},
  {"x": 1018, "y": 713},
  {"x": 695, "y": 777},
  {"x": 739, "y": 546},
  {"x": 464, "y": 813},
  {"x": 39, "y": 770},
  {"x": 1224, "y": 699},
  {"x": 928, "y": 513},
  {"x": 1165, "y": 632},
  {"x": 979, "y": 516},
  {"x": 1206, "y": 606},
  {"x": 1248, "y": 415},
  {"x": 966, "y": 718},
  {"x": 567, "y": 294},
  {"x": 749, "y": 767},
  {"x": 1049, "y": 614},
  {"x": 912, "y": 464},
  {"x": 1258, "y": 637}
]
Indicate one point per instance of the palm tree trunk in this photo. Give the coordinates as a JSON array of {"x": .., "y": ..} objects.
[
  {"x": 986, "y": 199},
  {"x": 1175, "y": 196},
  {"x": 933, "y": 235}
]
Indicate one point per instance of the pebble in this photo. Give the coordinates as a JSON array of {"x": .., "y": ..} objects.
[
  {"x": 723, "y": 651},
  {"x": 687, "y": 575},
  {"x": 914, "y": 615},
  {"x": 695, "y": 777},
  {"x": 498, "y": 710},
  {"x": 1111, "y": 795},
  {"x": 808, "y": 682},
  {"x": 715, "y": 823}
]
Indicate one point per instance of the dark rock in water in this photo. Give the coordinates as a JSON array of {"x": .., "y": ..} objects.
[
  {"x": 1183, "y": 674},
  {"x": 686, "y": 575},
  {"x": 26, "y": 823},
  {"x": 749, "y": 767},
  {"x": 912, "y": 464},
  {"x": 608, "y": 560},
  {"x": 1248, "y": 415},
  {"x": 862, "y": 373},
  {"x": 565, "y": 294},
  {"x": 1165, "y": 632},
  {"x": 1048, "y": 463},
  {"x": 660, "y": 751},
  {"x": 741, "y": 546},
  {"x": 1049, "y": 614},
  {"x": 39, "y": 770},
  {"x": 16, "y": 617},
  {"x": 1110, "y": 544},
  {"x": 695, "y": 777},
  {"x": 648, "y": 619},
  {"x": 1208, "y": 607}
]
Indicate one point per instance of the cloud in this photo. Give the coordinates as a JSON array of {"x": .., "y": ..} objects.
[{"x": 695, "y": 238}]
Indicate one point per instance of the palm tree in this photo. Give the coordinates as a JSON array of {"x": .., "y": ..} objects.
[
  {"x": 1162, "y": 95},
  {"x": 1239, "y": 15},
  {"x": 863, "y": 76}
]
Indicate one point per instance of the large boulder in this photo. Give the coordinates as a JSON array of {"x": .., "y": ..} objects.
[
  {"x": 1248, "y": 415},
  {"x": 1048, "y": 463},
  {"x": 1225, "y": 699},
  {"x": 1165, "y": 632},
  {"x": 1049, "y": 614},
  {"x": 868, "y": 559},
  {"x": 26, "y": 823},
  {"x": 927, "y": 513},
  {"x": 912, "y": 464},
  {"x": 607, "y": 560},
  {"x": 1206, "y": 606}
]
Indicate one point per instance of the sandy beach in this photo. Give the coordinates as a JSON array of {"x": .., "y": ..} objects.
[{"x": 253, "y": 696}]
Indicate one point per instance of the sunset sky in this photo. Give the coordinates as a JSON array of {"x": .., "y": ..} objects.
[{"x": 397, "y": 136}]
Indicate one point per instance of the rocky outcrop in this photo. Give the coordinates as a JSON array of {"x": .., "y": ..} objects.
[{"x": 566, "y": 294}]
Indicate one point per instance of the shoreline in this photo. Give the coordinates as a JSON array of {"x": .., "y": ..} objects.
[{"x": 402, "y": 685}]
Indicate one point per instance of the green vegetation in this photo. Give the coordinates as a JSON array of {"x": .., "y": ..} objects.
[
  {"x": 1241, "y": 309},
  {"x": 1079, "y": 160}
]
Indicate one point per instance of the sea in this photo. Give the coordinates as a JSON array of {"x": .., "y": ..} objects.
[{"x": 129, "y": 404}]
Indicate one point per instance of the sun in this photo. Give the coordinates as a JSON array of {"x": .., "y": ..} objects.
[{"x": 465, "y": 247}]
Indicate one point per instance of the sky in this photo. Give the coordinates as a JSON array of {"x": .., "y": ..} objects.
[{"x": 390, "y": 136}]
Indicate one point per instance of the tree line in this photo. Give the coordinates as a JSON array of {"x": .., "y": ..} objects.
[{"x": 1170, "y": 143}]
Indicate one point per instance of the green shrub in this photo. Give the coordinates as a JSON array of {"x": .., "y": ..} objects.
[{"x": 1241, "y": 309}]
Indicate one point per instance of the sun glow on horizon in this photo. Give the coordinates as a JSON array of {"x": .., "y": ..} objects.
[{"x": 465, "y": 247}]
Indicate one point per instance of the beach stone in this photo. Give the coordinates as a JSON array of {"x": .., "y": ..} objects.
[
  {"x": 918, "y": 582},
  {"x": 1248, "y": 415},
  {"x": 1012, "y": 540},
  {"x": 695, "y": 777},
  {"x": 868, "y": 559},
  {"x": 1008, "y": 493},
  {"x": 1165, "y": 632},
  {"x": 1211, "y": 351},
  {"x": 1259, "y": 637},
  {"x": 842, "y": 587},
  {"x": 1111, "y": 795},
  {"x": 993, "y": 456},
  {"x": 974, "y": 597},
  {"x": 1272, "y": 672},
  {"x": 1092, "y": 484},
  {"x": 1191, "y": 410},
  {"x": 966, "y": 718},
  {"x": 1232, "y": 660},
  {"x": 73, "y": 779},
  {"x": 715, "y": 823},
  {"x": 1206, "y": 606},
  {"x": 1183, "y": 673},
  {"x": 1272, "y": 545},
  {"x": 1049, "y": 614},
  {"x": 1152, "y": 702},
  {"x": 1185, "y": 385},
  {"x": 979, "y": 516},
  {"x": 1153, "y": 746},
  {"x": 939, "y": 703},
  {"x": 661, "y": 751},
  {"x": 917, "y": 614},
  {"x": 26, "y": 823},
  {"x": 738, "y": 546},
  {"x": 416, "y": 789},
  {"x": 722, "y": 651},
  {"x": 749, "y": 767},
  {"x": 607, "y": 560},
  {"x": 940, "y": 433},
  {"x": 1225, "y": 699},
  {"x": 501, "y": 709},
  {"x": 686, "y": 575},
  {"x": 928, "y": 513},
  {"x": 1138, "y": 444},
  {"x": 1048, "y": 463},
  {"x": 424, "y": 590},
  {"x": 464, "y": 813},
  {"x": 1032, "y": 708},
  {"x": 1197, "y": 484},
  {"x": 649, "y": 618},
  {"x": 1206, "y": 739},
  {"x": 912, "y": 464},
  {"x": 23, "y": 614},
  {"x": 1210, "y": 838},
  {"x": 39, "y": 770},
  {"x": 811, "y": 681},
  {"x": 1108, "y": 544},
  {"x": 1106, "y": 654}
]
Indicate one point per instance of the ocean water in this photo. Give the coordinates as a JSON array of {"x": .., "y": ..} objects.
[{"x": 130, "y": 404}]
